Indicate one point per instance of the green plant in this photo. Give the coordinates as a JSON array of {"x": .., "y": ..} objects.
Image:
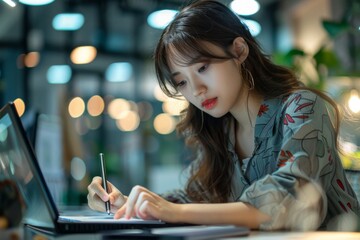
[{"x": 315, "y": 68}]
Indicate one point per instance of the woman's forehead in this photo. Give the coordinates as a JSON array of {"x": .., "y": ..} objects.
[{"x": 182, "y": 55}]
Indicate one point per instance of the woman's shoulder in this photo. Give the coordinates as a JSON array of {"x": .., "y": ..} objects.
[
  {"x": 300, "y": 94},
  {"x": 299, "y": 102},
  {"x": 304, "y": 105},
  {"x": 301, "y": 99}
]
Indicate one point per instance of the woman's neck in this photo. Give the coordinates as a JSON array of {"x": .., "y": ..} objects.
[
  {"x": 246, "y": 111},
  {"x": 245, "y": 114}
]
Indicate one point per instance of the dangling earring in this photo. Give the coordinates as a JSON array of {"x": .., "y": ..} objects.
[
  {"x": 250, "y": 80},
  {"x": 249, "y": 76}
]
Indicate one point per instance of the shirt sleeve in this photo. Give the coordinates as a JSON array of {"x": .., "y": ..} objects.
[
  {"x": 176, "y": 196},
  {"x": 294, "y": 194}
]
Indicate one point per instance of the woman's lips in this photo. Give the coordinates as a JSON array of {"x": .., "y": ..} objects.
[{"x": 209, "y": 103}]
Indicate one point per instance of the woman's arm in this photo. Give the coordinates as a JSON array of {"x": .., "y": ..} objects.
[{"x": 236, "y": 213}]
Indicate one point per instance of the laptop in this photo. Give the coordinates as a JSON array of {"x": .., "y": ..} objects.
[{"x": 19, "y": 164}]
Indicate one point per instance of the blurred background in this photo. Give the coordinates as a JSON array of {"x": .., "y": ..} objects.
[{"x": 82, "y": 77}]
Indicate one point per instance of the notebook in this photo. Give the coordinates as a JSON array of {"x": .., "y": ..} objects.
[{"x": 18, "y": 163}]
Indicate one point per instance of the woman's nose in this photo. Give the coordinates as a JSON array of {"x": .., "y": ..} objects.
[{"x": 198, "y": 87}]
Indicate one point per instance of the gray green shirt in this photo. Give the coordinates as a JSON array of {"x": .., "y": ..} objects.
[{"x": 295, "y": 174}]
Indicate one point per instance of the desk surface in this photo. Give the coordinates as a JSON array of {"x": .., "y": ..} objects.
[
  {"x": 254, "y": 235},
  {"x": 303, "y": 235}
]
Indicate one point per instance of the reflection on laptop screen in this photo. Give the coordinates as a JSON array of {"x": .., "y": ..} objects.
[{"x": 15, "y": 156}]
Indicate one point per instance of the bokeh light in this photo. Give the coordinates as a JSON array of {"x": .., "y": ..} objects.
[
  {"x": 119, "y": 72},
  {"x": 164, "y": 123},
  {"x": 161, "y": 18},
  {"x": 20, "y": 106},
  {"x": 59, "y": 74},
  {"x": 11, "y": 3},
  {"x": 36, "y": 2},
  {"x": 78, "y": 168},
  {"x": 76, "y": 107},
  {"x": 31, "y": 59},
  {"x": 129, "y": 122},
  {"x": 254, "y": 27},
  {"x": 68, "y": 21},
  {"x": 95, "y": 105},
  {"x": 174, "y": 106},
  {"x": 83, "y": 55},
  {"x": 245, "y": 7},
  {"x": 159, "y": 94},
  {"x": 118, "y": 108},
  {"x": 354, "y": 101}
]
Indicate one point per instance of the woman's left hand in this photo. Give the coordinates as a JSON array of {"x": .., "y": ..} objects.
[{"x": 145, "y": 204}]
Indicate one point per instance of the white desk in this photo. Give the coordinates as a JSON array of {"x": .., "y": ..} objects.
[
  {"x": 254, "y": 235},
  {"x": 302, "y": 235}
]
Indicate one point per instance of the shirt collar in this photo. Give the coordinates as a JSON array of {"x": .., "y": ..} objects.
[
  {"x": 265, "y": 120},
  {"x": 267, "y": 116}
]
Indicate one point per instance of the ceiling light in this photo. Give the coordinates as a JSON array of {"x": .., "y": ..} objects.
[
  {"x": 68, "y": 21},
  {"x": 254, "y": 26},
  {"x": 119, "y": 72},
  {"x": 59, "y": 74},
  {"x": 245, "y": 7},
  {"x": 36, "y": 2},
  {"x": 10, "y": 3},
  {"x": 160, "y": 19}
]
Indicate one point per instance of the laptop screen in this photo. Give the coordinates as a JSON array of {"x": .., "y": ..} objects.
[{"x": 18, "y": 164}]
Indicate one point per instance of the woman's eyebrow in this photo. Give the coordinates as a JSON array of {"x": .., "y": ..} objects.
[{"x": 175, "y": 74}]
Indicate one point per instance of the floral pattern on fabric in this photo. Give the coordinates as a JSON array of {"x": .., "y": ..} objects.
[{"x": 300, "y": 181}]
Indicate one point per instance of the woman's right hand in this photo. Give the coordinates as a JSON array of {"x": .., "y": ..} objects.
[{"x": 97, "y": 196}]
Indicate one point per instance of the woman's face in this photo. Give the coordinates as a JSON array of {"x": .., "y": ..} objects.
[{"x": 214, "y": 86}]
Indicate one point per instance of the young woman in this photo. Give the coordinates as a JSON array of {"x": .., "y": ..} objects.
[{"x": 266, "y": 145}]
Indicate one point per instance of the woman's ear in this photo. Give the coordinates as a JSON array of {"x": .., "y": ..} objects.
[{"x": 240, "y": 49}]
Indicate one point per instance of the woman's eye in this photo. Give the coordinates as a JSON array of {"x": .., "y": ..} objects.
[
  {"x": 180, "y": 84},
  {"x": 203, "y": 68}
]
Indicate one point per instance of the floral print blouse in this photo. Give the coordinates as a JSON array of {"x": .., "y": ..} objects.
[{"x": 295, "y": 174}]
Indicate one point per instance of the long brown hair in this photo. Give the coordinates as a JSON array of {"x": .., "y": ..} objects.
[{"x": 183, "y": 42}]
